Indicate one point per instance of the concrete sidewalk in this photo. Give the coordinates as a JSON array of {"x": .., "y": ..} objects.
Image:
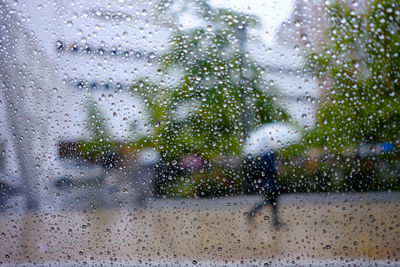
[{"x": 319, "y": 228}]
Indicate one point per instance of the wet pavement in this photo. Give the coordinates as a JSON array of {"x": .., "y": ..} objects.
[{"x": 320, "y": 229}]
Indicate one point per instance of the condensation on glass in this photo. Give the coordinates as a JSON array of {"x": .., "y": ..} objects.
[{"x": 207, "y": 133}]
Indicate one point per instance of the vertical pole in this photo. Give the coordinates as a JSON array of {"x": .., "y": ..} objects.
[
  {"x": 242, "y": 38},
  {"x": 27, "y": 87},
  {"x": 244, "y": 120},
  {"x": 14, "y": 88}
]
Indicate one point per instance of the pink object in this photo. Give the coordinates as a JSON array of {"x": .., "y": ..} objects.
[{"x": 192, "y": 163}]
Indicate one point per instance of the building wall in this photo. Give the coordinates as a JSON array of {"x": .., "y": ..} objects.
[
  {"x": 307, "y": 24},
  {"x": 98, "y": 49}
]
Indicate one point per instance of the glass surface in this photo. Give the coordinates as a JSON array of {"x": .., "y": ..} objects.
[{"x": 211, "y": 133}]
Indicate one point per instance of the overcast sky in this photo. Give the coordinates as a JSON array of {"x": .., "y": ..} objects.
[{"x": 271, "y": 12}]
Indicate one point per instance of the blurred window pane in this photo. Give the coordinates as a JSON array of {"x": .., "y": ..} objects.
[{"x": 176, "y": 132}]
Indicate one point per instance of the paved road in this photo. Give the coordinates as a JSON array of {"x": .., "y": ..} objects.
[
  {"x": 361, "y": 228},
  {"x": 281, "y": 262}
]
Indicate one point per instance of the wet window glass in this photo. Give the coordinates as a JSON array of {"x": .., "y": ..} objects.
[{"x": 210, "y": 133}]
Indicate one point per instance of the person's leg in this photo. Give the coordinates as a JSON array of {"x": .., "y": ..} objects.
[
  {"x": 274, "y": 203},
  {"x": 275, "y": 213},
  {"x": 258, "y": 206}
]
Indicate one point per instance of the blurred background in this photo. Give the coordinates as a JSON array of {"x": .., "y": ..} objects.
[{"x": 113, "y": 107}]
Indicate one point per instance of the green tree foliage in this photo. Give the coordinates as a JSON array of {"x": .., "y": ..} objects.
[
  {"x": 359, "y": 65},
  {"x": 100, "y": 143},
  {"x": 220, "y": 95},
  {"x": 96, "y": 122}
]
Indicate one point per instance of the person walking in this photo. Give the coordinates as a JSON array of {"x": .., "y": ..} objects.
[{"x": 262, "y": 171}]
